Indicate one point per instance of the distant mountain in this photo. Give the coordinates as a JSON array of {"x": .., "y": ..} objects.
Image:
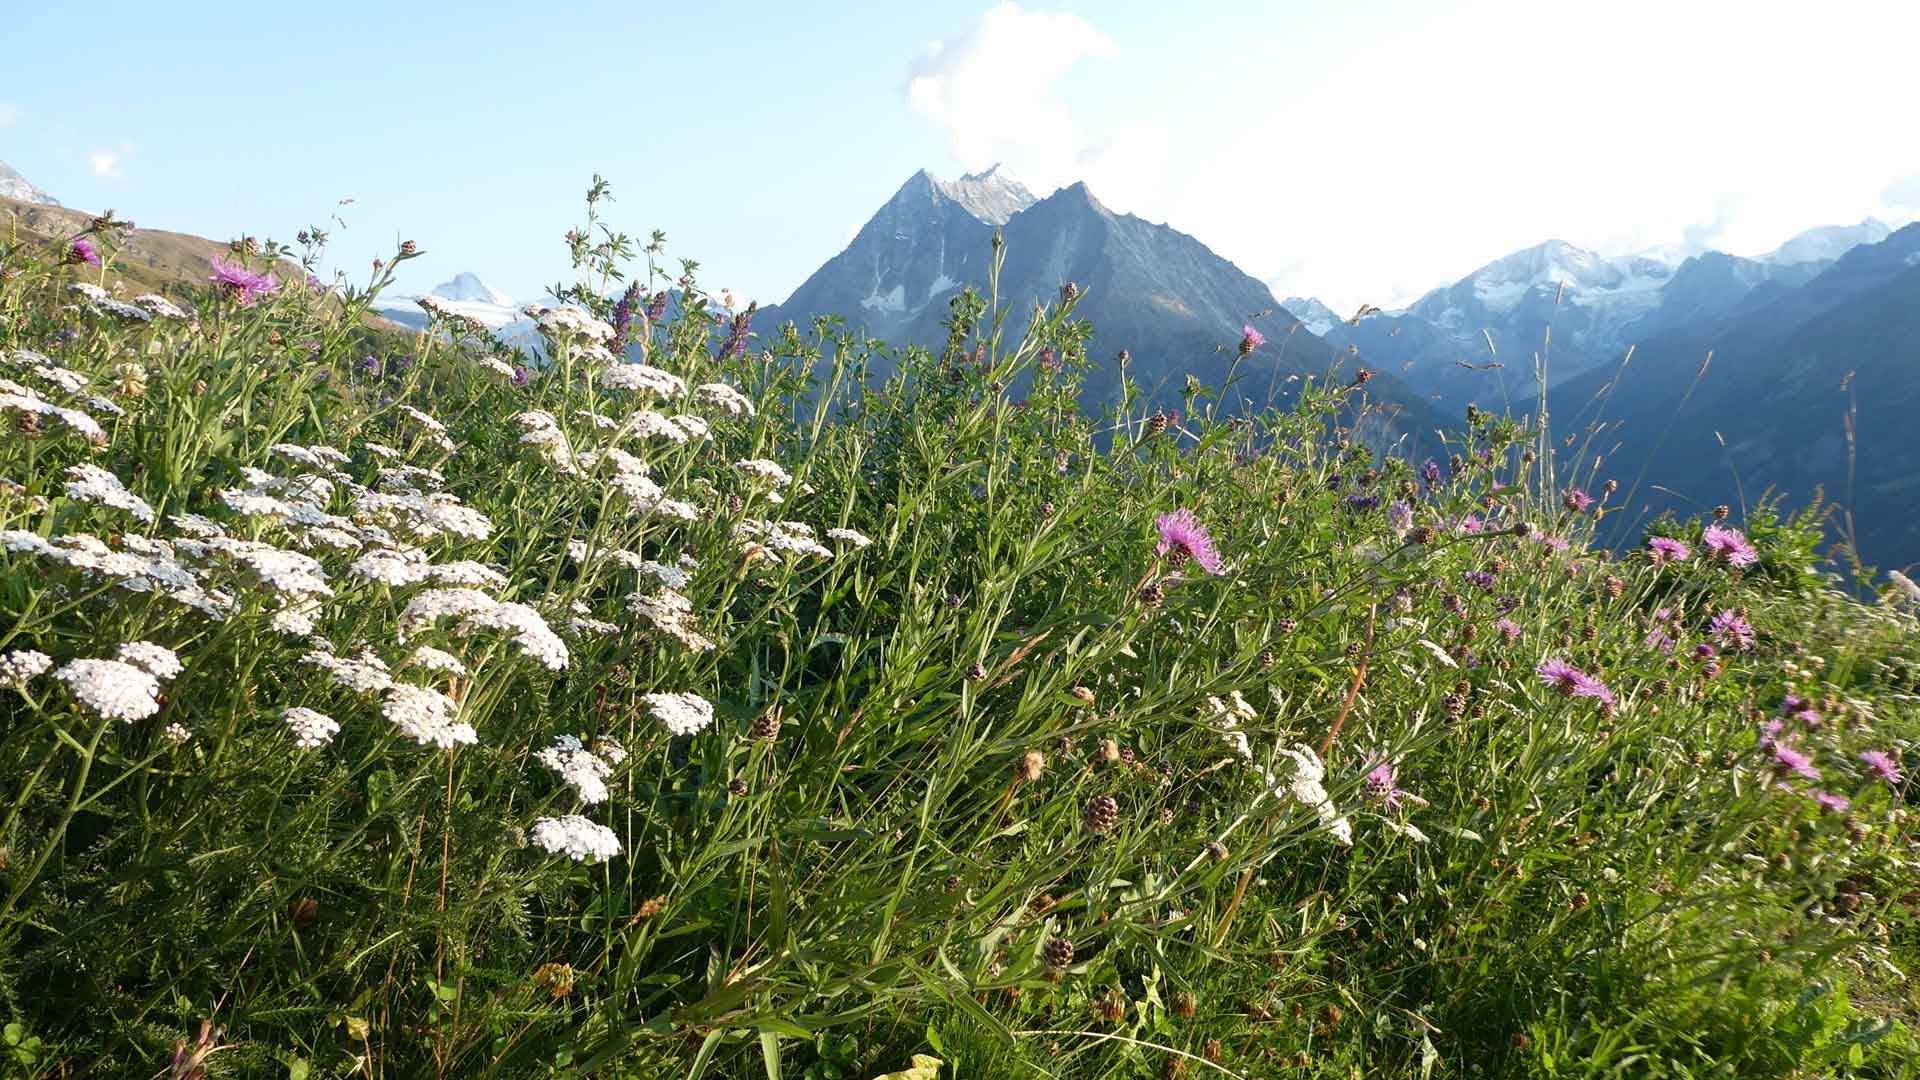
[
  {"x": 1314, "y": 315},
  {"x": 1788, "y": 362},
  {"x": 465, "y": 294},
  {"x": 15, "y": 186},
  {"x": 1162, "y": 295},
  {"x": 1827, "y": 243}
]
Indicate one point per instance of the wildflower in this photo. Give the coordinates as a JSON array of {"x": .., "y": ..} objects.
[
  {"x": 311, "y": 730},
  {"x": 157, "y": 660},
  {"x": 91, "y": 483},
  {"x": 1665, "y": 549},
  {"x": 176, "y": 734},
  {"x": 1904, "y": 589},
  {"x": 767, "y": 472},
  {"x": 112, "y": 689},
  {"x": 1883, "y": 765},
  {"x": 80, "y": 249},
  {"x": 1732, "y": 628},
  {"x": 426, "y": 716},
  {"x": 1182, "y": 536},
  {"x": 1570, "y": 681},
  {"x": 725, "y": 398},
  {"x": 364, "y": 674},
  {"x": 1509, "y": 630},
  {"x": 578, "y": 766},
  {"x": 849, "y": 536},
  {"x": 1430, "y": 473},
  {"x": 642, "y": 378},
  {"x": 1400, "y": 518},
  {"x": 576, "y": 837},
  {"x": 1831, "y": 803},
  {"x": 1789, "y": 759},
  {"x": 1306, "y": 786},
  {"x": 160, "y": 306},
  {"x": 1728, "y": 546},
  {"x": 683, "y": 714},
  {"x": 1382, "y": 784},
  {"x": 21, "y": 666},
  {"x": 243, "y": 285},
  {"x": 1479, "y": 579},
  {"x": 1577, "y": 500},
  {"x": 432, "y": 659},
  {"x": 1250, "y": 339}
]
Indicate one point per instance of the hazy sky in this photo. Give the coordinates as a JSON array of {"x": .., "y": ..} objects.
[{"x": 1358, "y": 151}]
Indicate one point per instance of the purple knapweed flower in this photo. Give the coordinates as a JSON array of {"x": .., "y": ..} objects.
[
  {"x": 80, "y": 249},
  {"x": 1705, "y": 651},
  {"x": 1809, "y": 718},
  {"x": 1509, "y": 629},
  {"x": 1659, "y": 639},
  {"x": 1554, "y": 543},
  {"x": 1250, "y": 339},
  {"x": 1831, "y": 803},
  {"x": 1382, "y": 784},
  {"x": 1183, "y": 537},
  {"x": 1570, "y": 681},
  {"x": 1732, "y": 628},
  {"x": 1728, "y": 546},
  {"x": 1471, "y": 525},
  {"x": 1789, "y": 759},
  {"x": 1577, "y": 500},
  {"x": 243, "y": 285},
  {"x": 1882, "y": 764},
  {"x": 1665, "y": 549}
]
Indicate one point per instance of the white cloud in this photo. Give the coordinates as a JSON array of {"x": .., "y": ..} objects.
[
  {"x": 104, "y": 163},
  {"x": 1499, "y": 125},
  {"x": 9, "y": 115},
  {"x": 995, "y": 91}
]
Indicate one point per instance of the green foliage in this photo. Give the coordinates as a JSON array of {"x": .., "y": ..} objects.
[{"x": 996, "y": 780}]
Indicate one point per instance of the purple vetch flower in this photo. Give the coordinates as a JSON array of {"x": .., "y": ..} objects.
[
  {"x": 1665, "y": 549},
  {"x": 521, "y": 376},
  {"x": 736, "y": 342},
  {"x": 1250, "y": 339},
  {"x": 1479, "y": 579},
  {"x": 1509, "y": 629},
  {"x": 623, "y": 319},
  {"x": 1183, "y": 537},
  {"x": 243, "y": 285},
  {"x": 1570, "y": 681},
  {"x": 1732, "y": 628},
  {"x": 1883, "y": 765},
  {"x": 1360, "y": 504},
  {"x": 1577, "y": 500},
  {"x": 80, "y": 249},
  {"x": 370, "y": 366},
  {"x": 1400, "y": 518},
  {"x": 1430, "y": 473},
  {"x": 1789, "y": 759},
  {"x": 1728, "y": 546},
  {"x": 1831, "y": 803},
  {"x": 657, "y": 307}
]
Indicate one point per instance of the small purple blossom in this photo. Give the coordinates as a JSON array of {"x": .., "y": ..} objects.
[
  {"x": 1554, "y": 543},
  {"x": 1577, "y": 500},
  {"x": 1789, "y": 759},
  {"x": 1183, "y": 537},
  {"x": 1570, "y": 681},
  {"x": 1831, "y": 803},
  {"x": 1250, "y": 339},
  {"x": 1430, "y": 473},
  {"x": 1883, "y": 765},
  {"x": 1666, "y": 549},
  {"x": 243, "y": 285},
  {"x": 521, "y": 376},
  {"x": 1728, "y": 546},
  {"x": 1471, "y": 525},
  {"x": 1383, "y": 784},
  {"x": 1360, "y": 504},
  {"x": 82, "y": 250},
  {"x": 1659, "y": 639},
  {"x": 1704, "y": 651},
  {"x": 1732, "y": 628},
  {"x": 1509, "y": 629},
  {"x": 1479, "y": 579},
  {"x": 1400, "y": 518}
]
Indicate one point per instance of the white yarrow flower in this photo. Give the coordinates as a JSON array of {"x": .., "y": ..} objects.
[
  {"x": 176, "y": 734},
  {"x": 723, "y": 397},
  {"x": 578, "y": 766},
  {"x": 643, "y": 378},
  {"x": 426, "y": 716},
  {"x": 683, "y": 714},
  {"x": 576, "y": 837},
  {"x": 21, "y": 666},
  {"x": 426, "y": 656},
  {"x": 158, "y": 660},
  {"x": 91, "y": 483},
  {"x": 112, "y": 689},
  {"x": 311, "y": 730},
  {"x": 849, "y": 536}
]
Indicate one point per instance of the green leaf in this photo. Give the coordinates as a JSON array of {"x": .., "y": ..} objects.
[{"x": 770, "y": 1053}]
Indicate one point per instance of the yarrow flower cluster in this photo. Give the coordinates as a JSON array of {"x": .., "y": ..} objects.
[
  {"x": 576, "y": 837},
  {"x": 157, "y": 660},
  {"x": 586, "y": 770},
  {"x": 682, "y": 714},
  {"x": 22, "y": 666},
  {"x": 91, "y": 483},
  {"x": 311, "y": 730},
  {"x": 427, "y": 716},
  {"x": 112, "y": 689}
]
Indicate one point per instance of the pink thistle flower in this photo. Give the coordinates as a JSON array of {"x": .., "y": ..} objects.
[
  {"x": 1789, "y": 759},
  {"x": 1250, "y": 339},
  {"x": 1732, "y": 628},
  {"x": 244, "y": 285},
  {"x": 81, "y": 250},
  {"x": 1728, "y": 546},
  {"x": 1831, "y": 803},
  {"x": 1570, "y": 681},
  {"x": 1183, "y": 537},
  {"x": 1471, "y": 525},
  {"x": 1382, "y": 784},
  {"x": 1882, "y": 764},
  {"x": 1577, "y": 500},
  {"x": 1666, "y": 549},
  {"x": 1509, "y": 629}
]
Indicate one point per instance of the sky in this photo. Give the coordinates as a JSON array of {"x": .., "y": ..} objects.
[{"x": 1360, "y": 152}]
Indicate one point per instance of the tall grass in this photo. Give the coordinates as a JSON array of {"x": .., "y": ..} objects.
[{"x": 993, "y": 773}]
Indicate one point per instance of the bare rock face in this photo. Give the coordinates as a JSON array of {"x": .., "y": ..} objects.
[{"x": 15, "y": 186}]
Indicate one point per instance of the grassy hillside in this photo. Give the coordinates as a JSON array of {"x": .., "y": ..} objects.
[{"x": 698, "y": 719}]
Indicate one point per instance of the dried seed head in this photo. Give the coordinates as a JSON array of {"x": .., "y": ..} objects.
[
  {"x": 1217, "y": 850},
  {"x": 737, "y": 786},
  {"x": 1151, "y": 594},
  {"x": 1030, "y": 766},
  {"x": 1720, "y": 512},
  {"x": 766, "y": 726},
  {"x": 557, "y": 978},
  {"x": 1085, "y": 695},
  {"x": 977, "y": 672},
  {"x": 1109, "y": 751},
  {"x": 1058, "y": 953},
  {"x": 1102, "y": 813}
]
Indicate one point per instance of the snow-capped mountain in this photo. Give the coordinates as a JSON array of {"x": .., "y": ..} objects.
[
  {"x": 466, "y": 295},
  {"x": 15, "y": 186},
  {"x": 1313, "y": 314},
  {"x": 1826, "y": 243}
]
